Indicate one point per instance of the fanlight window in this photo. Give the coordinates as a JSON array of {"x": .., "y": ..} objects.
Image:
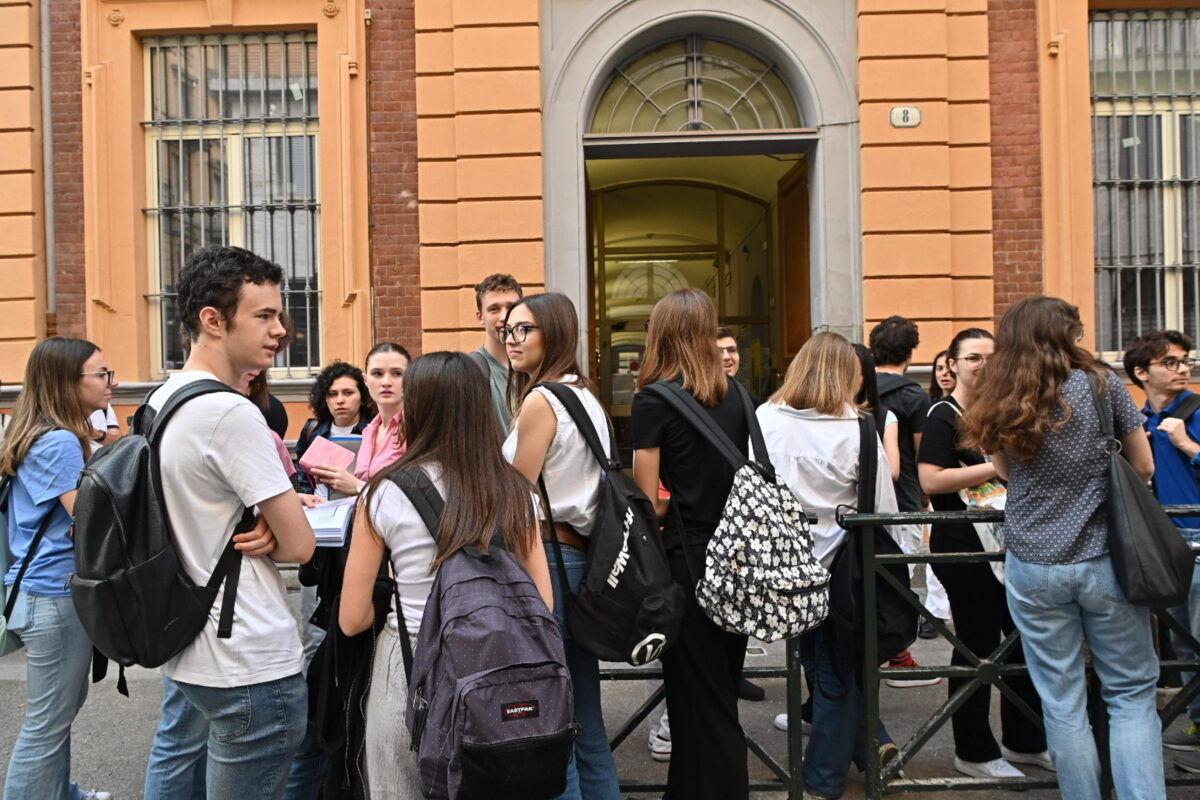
[{"x": 695, "y": 84}]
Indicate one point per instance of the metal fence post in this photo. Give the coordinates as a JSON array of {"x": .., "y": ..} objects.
[
  {"x": 795, "y": 781},
  {"x": 870, "y": 667}
]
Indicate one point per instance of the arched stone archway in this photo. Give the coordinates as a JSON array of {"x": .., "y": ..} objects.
[{"x": 813, "y": 45}]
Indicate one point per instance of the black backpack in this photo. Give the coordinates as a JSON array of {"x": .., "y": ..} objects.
[
  {"x": 135, "y": 601},
  {"x": 896, "y": 618},
  {"x": 490, "y": 706},
  {"x": 628, "y": 607}
]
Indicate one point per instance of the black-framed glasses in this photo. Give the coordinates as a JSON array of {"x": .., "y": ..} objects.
[
  {"x": 1172, "y": 364},
  {"x": 110, "y": 375},
  {"x": 518, "y": 333}
]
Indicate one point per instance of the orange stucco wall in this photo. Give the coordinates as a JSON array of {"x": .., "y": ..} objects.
[
  {"x": 479, "y": 146},
  {"x": 926, "y": 200},
  {"x": 22, "y": 227}
]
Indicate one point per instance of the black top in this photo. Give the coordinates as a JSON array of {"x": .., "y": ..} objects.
[
  {"x": 695, "y": 473},
  {"x": 276, "y": 414},
  {"x": 941, "y": 446},
  {"x": 910, "y": 403}
]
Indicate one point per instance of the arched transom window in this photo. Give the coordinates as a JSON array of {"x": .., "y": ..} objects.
[{"x": 695, "y": 84}]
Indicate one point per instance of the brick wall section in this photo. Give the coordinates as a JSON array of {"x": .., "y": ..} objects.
[
  {"x": 1016, "y": 146},
  {"x": 392, "y": 132},
  {"x": 66, "y": 123}
]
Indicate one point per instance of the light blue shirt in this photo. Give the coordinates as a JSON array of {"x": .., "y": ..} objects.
[{"x": 51, "y": 468}]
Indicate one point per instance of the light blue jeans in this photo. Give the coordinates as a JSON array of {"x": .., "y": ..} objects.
[
  {"x": 592, "y": 773},
  {"x": 58, "y": 656},
  {"x": 839, "y": 732},
  {"x": 1056, "y": 608},
  {"x": 1188, "y": 616},
  {"x": 179, "y": 754},
  {"x": 253, "y": 733}
]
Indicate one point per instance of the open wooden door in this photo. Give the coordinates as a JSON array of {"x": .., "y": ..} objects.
[{"x": 795, "y": 288}]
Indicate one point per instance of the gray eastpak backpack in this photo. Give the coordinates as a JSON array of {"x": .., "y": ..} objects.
[
  {"x": 490, "y": 708},
  {"x": 761, "y": 575}
]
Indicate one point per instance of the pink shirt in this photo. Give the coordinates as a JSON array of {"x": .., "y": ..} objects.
[{"x": 371, "y": 463}]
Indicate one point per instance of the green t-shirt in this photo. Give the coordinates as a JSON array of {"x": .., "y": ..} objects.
[{"x": 498, "y": 374}]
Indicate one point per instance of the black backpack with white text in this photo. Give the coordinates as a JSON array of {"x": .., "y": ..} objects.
[{"x": 628, "y": 607}]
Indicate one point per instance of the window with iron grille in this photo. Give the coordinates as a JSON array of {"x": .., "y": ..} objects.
[
  {"x": 231, "y": 149},
  {"x": 1146, "y": 172}
]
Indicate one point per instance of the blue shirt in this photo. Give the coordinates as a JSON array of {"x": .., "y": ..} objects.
[
  {"x": 51, "y": 468},
  {"x": 1174, "y": 475}
]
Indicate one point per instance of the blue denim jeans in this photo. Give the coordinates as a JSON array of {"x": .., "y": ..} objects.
[
  {"x": 839, "y": 734},
  {"x": 1058, "y": 607},
  {"x": 58, "y": 656},
  {"x": 1188, "y": 616},
  {"x": 253, "y": 733},
  {"x": 592, "y": 773},
  {"x": 180, "y": 751}
]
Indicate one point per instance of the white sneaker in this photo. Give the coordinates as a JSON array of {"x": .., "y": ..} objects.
[
  {"x": 1041, "y": 759},
  {"x": 996, "y": 768},
  {"x": 660, "y": 747},
  {"x": 781, "y": 722},
  {"x": 92, "y": 794}
]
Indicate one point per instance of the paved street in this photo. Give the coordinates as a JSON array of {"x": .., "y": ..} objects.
[{"x": 111, "y": 737}]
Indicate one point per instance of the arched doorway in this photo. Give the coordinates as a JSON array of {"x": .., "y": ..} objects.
[{"x": 695, "y": 154}]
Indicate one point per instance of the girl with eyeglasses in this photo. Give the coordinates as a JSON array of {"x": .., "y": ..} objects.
[
  {"x": 541, "y": 335},
  {"x": 1036, "y": 414},
  {"x": 977, "y": 605},
  {"x": 44, "y": 452}
]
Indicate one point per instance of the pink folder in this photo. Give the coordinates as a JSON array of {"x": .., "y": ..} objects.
[{"x": 324, "y": 453}]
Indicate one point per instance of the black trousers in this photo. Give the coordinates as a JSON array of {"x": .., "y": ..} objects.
[
  {"x": 701, "y": 672},
  {"x": 981, "y": 621}
]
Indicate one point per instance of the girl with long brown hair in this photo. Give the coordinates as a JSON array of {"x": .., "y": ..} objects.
[
  {"x": 702, "y": 670},
  {"x": 452, "y": 439},
  {"x": 541, "y": 336},
  {"x": 44, "y": 452},
  {"x": 1036, "y": 414}
]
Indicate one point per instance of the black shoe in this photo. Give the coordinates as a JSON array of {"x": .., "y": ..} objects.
[
  {"x": 749, "y": 691},
  {"x": 926, "y": 630}
]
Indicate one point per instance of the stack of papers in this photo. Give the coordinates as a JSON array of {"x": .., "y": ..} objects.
[{"x": 331, "y": 521}]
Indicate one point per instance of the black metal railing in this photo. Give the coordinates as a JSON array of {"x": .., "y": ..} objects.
[{"x": 988, "y": 670}]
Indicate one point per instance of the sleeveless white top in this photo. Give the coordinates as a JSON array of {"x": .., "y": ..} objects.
[{"x": 570, "y": 470}]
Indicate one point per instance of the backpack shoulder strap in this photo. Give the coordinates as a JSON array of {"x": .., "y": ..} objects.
[
  {"x": 583, "y": 422},
  {"x": 1188, "y": 407},
  {"x": 758, "y": 444},
  {"x": 695, "y": 415},
  {"x": 481, "y": 361},
  {"x": 422, "y": 494},
  {"x": 177, "y": 399}
]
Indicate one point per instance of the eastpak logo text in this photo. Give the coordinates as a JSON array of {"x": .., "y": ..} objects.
[{"x": 524, "y": 709}]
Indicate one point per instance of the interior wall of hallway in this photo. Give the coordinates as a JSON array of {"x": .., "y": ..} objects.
[
  {"x": 926, "y": 190},
  {"x": 479, "y": 147},
  {"x": 22, "y": 225}
]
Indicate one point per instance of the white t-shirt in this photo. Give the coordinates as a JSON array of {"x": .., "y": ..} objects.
[
  {"x": 342, "y": 430},
  {"x": 570, "y": 470},
  {"x": 411, "y": 544},
  {"x": 816, "y": 455},
  {"x": 217, "y": 456},
  {"x": 103, "y": 419}
]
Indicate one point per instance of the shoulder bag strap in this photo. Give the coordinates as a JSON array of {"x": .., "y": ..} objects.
[
  {"x": 33, "y": 546},
  {"x": 694, "y": 414},
  {"x": 583, "y": 422},
  {"x": 1102, "y": 410},
  {"x": 868, "y": 464},
  {"x": 1188, "y": 407}
]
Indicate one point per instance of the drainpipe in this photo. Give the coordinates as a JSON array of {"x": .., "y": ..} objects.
[{"x": 48, "y": 167}]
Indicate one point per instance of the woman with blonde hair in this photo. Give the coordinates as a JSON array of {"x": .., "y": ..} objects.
[
  {"x": 702, "y": 670},
  {"x": 811, "y": 427},
  {"x": 1037, "y": 412},
  {"x": 66, "y": 380}
]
